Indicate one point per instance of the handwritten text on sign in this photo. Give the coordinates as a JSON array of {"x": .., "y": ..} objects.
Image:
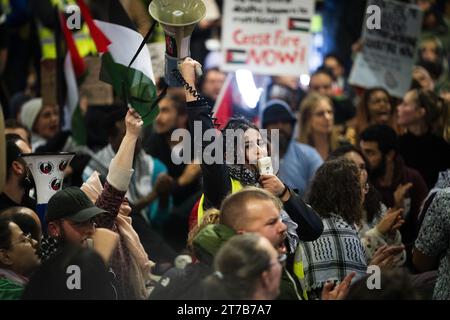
[
  {"x": 267, "y": 36},
  {"x": 387, "y": 57}
]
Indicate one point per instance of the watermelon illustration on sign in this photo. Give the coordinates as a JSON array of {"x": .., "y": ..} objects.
[
  {"x": 46, "y": 167},
  {"x": 55, "y": 184},
  {"x": 62, "y": 165}
]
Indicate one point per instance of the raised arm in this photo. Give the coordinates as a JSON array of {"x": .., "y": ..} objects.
[
  {"x": 216, "y": 181},
  {"x": 120, "y": 172}
]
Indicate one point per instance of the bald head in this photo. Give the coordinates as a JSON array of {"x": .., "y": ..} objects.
[
  {"x": 238, "y": 209},
  {"x": 255, "y": 210}
]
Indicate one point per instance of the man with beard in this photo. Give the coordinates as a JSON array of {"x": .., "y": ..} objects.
[
  {"x": 149, "y": 191},
  {"x": 252, "y": 210},
  {"x": 73, "y": 219},
  {"x": 172, "y": 115},
  {"x": 184, "y": 177},
  {"x": 19, "y": 180},
  {"x": 298, "y": 161},
  {"x": 399, "y": 185}
]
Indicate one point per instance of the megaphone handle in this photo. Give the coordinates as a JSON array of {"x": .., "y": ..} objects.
[{"x": 179, "y": 77}]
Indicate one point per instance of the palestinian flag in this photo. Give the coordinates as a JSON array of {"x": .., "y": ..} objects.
[
  {"x": 115, "y": 29},
  {"x": 236, "y": 56},
  {"x": 74, "y": 72},
  {"x": 299, "y": 24}
]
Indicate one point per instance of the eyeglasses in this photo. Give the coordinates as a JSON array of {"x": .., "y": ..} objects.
[{"x": 23, "y": 239}]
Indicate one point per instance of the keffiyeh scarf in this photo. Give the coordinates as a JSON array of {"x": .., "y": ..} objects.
[{"x": 335, "y": 254}]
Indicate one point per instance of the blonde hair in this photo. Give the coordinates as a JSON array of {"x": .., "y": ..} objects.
[{"x": 307, "y": 108}]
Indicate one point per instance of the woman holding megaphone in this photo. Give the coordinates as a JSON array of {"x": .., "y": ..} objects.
[{"x": 219, "y": 179}]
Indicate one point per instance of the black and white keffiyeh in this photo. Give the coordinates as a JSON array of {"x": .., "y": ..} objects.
[
  {"x": 49, "y": 246},
  {"x": 335, "y": 254},
  {"x": 245, "y": 176}
]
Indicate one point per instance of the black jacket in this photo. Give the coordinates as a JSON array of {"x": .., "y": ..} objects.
[{"x": 217, "y": 184}]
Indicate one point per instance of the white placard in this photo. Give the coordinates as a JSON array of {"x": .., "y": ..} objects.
[
  {"x": 388, "y": 53},
  {"x": 267, "y": 36}
]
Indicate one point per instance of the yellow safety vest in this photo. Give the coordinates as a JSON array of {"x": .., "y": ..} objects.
[
  {"x": 299, "y": 271},
  {"x": 235, "y": 187},
  {"x": 83, "y": 40},
  {"x": 5, "y": 6},
  {"x": 298, "y": 263}
]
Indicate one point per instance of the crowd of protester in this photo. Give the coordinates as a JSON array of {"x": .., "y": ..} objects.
[{"x": 363, "y": 182}]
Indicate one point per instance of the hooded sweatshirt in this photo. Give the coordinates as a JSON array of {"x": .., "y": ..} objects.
[{"x": 300, "y": 162}]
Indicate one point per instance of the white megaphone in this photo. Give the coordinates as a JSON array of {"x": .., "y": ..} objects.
[
  {"x": 48, "y": 174},
  {"x": 178, "y": 19}
]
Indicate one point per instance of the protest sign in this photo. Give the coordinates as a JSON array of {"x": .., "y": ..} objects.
[
  {"x": 267, "y": 36},
  {"x": 49, "y": 82},
  {"x": 388, "y": 52},
  {"x": 97, "y": 92}
]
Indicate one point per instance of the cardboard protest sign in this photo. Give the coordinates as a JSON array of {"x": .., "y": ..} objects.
[
  {"x": 48, "y": 82},
  {"x": 267, "y": 36},
  {"x": 388, "y": 53},
  {"x": 97, "y": 92}
]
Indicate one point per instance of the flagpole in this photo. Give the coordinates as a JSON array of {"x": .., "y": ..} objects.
[
  {"x": 60, "y": 83},
  {"x": 222, "y": 92},
  {"x": 163, "y": 91}
]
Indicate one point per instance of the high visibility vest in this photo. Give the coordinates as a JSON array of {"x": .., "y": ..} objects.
[
  {"x": 5, "y": 6},
  {"x": 298, "y": 263},
  {"x": 235, "y": 187},
  {"x": 83, "y": 40},
  {"x": 299, "y": 271}
]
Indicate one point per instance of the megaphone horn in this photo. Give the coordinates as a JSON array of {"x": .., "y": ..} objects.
[
  {"x": 178, "y": 19},
  {"x": 47, "y": 170}
]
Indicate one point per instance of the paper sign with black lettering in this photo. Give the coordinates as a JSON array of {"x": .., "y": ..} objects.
[
  {"x": 267, "y": 36},
  {"x": 390, "y": 36}
]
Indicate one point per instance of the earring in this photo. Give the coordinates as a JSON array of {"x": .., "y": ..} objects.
[{"x": 366, "y": 188}]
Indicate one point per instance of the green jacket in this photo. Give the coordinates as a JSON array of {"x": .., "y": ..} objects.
[
  {"x": 10, "y": 290},
  {"x": 211, "y": 238}
]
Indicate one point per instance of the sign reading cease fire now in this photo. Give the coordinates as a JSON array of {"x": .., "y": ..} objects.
[{"x": 267, "y": 36}]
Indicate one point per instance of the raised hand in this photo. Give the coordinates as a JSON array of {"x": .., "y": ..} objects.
[
  {"x": 384, "y": 256},
  {"x": 391, "y": 221},
  {"x": 188, "y": 70},
  {"x": 272, "y": 184},
  {"x": 400, "y": 193},
  {"x": 133, "y": 123},
  {"x": 340, "y": 291}
]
